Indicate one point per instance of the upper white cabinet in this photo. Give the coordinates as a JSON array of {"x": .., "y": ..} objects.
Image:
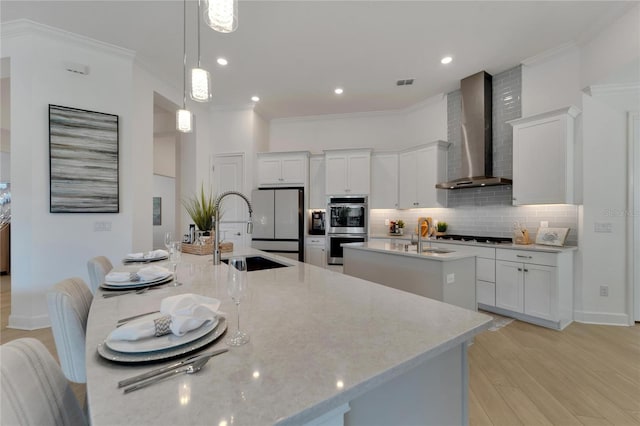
[
  {"x": 283, "y": 168},
  {"x": 419, "y": 170},
  {"x": 317, "y": 198},
  {"x": 384, "y": 181},
  {"x": 348, "y": 172},
  {"x": 544, "y": 142}
]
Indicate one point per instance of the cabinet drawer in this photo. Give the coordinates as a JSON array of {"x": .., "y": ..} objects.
[
  {"x": 315, "y": 241},
  {"x": 485, "y": 269},
  {"x": 486, "y": 293},
  {"x": 527, "y": 256}
]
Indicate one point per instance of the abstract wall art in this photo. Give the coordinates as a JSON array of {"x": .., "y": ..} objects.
[{"x": 83, "y": 155}]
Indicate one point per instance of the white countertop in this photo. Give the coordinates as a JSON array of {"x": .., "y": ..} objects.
[
  {"x": 511, "y": 246},
  {"x": 318, "y": 340},
  {"x": 399, "y": 249}
]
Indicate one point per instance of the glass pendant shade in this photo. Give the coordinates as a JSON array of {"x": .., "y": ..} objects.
[
  {"x": 184, "y": 121},
  {"x": 221, "y": 15},
  {"x": 200, "y": 85}
]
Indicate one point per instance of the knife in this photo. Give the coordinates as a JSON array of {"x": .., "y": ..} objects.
[{"x": 175, "y": 365}]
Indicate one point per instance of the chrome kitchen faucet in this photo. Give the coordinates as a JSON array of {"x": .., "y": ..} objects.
[{"x": 216, "y": 238}]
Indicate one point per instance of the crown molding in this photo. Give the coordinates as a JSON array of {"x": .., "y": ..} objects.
[
  {"x": 612, "y": 89},
  {"x": 26, "y": 28},
  {"x": 549, "y": 54}
]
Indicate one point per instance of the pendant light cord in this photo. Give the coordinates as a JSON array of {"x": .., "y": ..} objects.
[
  {"x": 184, "y": 50},
  {"x": 198, "y": 19}
]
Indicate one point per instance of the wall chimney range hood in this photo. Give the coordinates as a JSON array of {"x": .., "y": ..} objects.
[{"x": 476, "y": 129}]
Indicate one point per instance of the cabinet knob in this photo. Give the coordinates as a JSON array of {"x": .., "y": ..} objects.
[
  {"x": 514, "y": 198},
  {"x": 520, "y": 269},
  {"x": 524, "y": 257},
  {"x": 526, "y": 270},
  {"x": 238, "y": 233}
]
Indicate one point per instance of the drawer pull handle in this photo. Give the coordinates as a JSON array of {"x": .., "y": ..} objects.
[
  {"x": 520, "y": 269},
  {"x": 525, "y": 257},
  {"x": 526, "y": 270}
]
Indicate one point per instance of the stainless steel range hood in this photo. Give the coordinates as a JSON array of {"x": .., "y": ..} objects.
[{"x": 476, "y": 127}]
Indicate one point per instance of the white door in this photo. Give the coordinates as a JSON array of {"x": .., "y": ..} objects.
[{"x": 228, "y": 175}]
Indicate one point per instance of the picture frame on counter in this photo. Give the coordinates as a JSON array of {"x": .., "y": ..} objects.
[{"x": 552, "y": 236}]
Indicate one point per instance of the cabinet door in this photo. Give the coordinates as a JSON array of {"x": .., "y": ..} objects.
[
  {"x": 540, "y": 291},
  {"x": 336, "y": 175},
  {"x": 293, "y": 171},
  {"x": 486, "y": 292},
  {"x": 384, "y": 181},
  {"x": 317, "y": 198},
  {"x": 425, "y": 188},
  {"x": 269, "y": 171},
  {"x": 407, "y": 181},
  {"x": 315, "y": 255},
  {"x": 509, "y": 286},
  {"x": 359, "y": 174}
]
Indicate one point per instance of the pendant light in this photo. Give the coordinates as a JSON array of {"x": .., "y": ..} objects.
[
  {"x": 222, "y": 15},
  {"x": 200, "y": 78},
  {"x": 184, "y": 118}
]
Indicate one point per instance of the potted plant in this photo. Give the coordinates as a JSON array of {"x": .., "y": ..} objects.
[
  {"x": 442, "y": 228},
  {"x": 201, "y": 208},
  {"x": 400, "y": 227}
]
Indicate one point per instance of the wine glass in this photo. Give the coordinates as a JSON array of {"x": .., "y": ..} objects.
[
  {"x": 237, "y": 284},
  {"x": 175, "y": 254},
  {"x": 168, "y": 239}
]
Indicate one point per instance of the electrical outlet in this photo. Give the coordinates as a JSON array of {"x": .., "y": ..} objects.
[
  {"x": 544, "y": 224},
  {"x": 451, "y": 278},
  {"x": 604, "y": 290}
]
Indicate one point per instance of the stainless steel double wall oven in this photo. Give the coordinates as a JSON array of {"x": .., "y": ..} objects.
[{"x": 347, "y": 222}]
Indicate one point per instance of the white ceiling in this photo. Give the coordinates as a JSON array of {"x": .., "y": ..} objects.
[{"x": 294, "y": 53}]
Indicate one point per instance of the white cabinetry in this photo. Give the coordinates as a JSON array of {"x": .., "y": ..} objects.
[
  {"x": 348, "y": 172},
  {"x": 317, "y": 198},
  {"x": 314, "y": 251},
  {"x": 535, "y": 286},
  {"x": 419, "y": 171},
  {"x": 384, "y": 181},
  {"x": 283, "y": 168},
  {"x": 544, "y": 141},
  {"x": 235, "y": 232}
]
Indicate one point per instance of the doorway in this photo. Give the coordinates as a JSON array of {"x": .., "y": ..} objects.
[{"x": 227, "y": 172}]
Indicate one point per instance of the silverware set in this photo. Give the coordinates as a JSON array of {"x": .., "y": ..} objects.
[{"x": 189, "y": 365}]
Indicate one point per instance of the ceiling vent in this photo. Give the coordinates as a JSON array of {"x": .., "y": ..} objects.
[{"x": 407, "y": 82}]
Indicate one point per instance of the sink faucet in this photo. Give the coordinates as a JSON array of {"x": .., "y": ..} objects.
[
  {"x": 420, "y": 222},
  {"x": 216, "y": 239}
]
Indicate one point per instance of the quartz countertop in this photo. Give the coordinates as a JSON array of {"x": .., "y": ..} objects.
[
  {"x": 511, "y": 246},
  {"x": 411, "y": 250},
  {"x": 318, "y": 340}
]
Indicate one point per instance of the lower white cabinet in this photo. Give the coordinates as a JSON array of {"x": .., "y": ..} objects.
[
  {"x": 535, "y": 286},
  {"x": 315, "y": 251},
  {"x": 235, "y": 232}
]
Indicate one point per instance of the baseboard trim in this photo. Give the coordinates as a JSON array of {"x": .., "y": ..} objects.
[
  {"x": 23, "y": 322},
  {"x": 601, "y": 318}
]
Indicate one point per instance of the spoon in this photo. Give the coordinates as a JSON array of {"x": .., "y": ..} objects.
[{"x": 188, "y": 369}]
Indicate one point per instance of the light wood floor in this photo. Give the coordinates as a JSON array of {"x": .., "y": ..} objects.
[
  {"x": 43, "y": 334},
  {"x": 520, "y": 374}
]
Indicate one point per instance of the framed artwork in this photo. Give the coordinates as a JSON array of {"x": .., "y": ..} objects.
[
  {"x": 552, "y": 236},
  {"x": 83, "y": 161},
  {"x": 157, "y": 211}
]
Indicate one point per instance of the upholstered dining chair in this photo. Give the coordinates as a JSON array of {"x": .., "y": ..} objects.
[
  {"x": 69, "y": 303},
  {"x": 98, "y": 267},
  {"x": 33, "y": 390}
]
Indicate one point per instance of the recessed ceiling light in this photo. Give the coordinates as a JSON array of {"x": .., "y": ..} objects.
[
  {"x": 446, "y": 60},
  {"x": 222, "y": 61},
  {"x": 255, "y": 98},
  {"x": 338, "y": 91}
]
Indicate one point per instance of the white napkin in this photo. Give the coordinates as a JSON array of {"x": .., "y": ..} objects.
[
  {"x": 152, "y": 272},
  {"x": 156, "y": 254},
  {"x": 187, "y": 311},
  {"x": 118, "y": 277},
  {"x": 135, "y": 255}
]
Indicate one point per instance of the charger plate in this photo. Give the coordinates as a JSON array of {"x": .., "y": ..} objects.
[
  {"x": 129, "y": 285},
  {"x": 105, "y": 352}
]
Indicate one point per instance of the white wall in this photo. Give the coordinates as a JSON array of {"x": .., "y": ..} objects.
[
  {"x": 49, "y": 247},
  {"x": 426, "y": 121},
  {"x": 551, "y": 82}
]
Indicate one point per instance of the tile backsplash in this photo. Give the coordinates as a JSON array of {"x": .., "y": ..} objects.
[{"x": 486, "y": 211}]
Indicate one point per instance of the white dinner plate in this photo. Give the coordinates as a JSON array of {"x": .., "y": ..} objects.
[
  {"x": 161, "y": 343},
  {"x": 127, "y": 285},
  {"x": 105, "y": 352},
  {"x": 143, "y": 260}
]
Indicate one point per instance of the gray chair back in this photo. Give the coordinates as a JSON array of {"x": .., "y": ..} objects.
[{"x": 98, "y": 268}]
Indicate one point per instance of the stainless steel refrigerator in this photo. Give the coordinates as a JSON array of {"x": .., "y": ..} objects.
[{"x": 278, "y": 225}]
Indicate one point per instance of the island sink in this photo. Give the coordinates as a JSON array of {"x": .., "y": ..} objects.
[
  {"x": 259, "y": 263},
  {"x": 436, "y": 250}
]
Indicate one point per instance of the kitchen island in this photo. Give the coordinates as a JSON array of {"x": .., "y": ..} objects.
[
  {"x": 447, "y": 275},
  {"x": 325, "y": 347}
]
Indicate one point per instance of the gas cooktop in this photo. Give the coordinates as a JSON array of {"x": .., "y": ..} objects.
[{"x": 476, "y": 239}]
